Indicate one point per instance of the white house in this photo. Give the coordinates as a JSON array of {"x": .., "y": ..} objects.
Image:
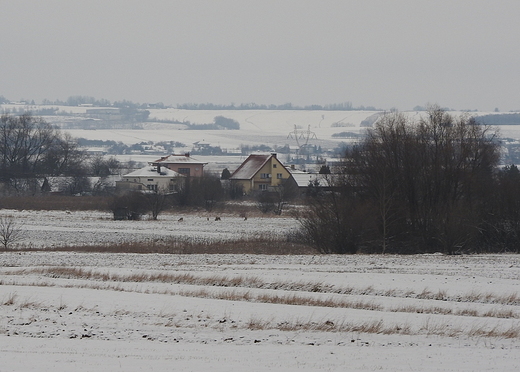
[{"x": 151, "y": 178}]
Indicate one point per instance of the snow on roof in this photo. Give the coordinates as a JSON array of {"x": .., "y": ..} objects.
[
  {"x": 175, "y": 159},
  {"x": 303, "y": 179},
  {"x": 250, "y": 166},
  {"x": 150, "y": 171}
]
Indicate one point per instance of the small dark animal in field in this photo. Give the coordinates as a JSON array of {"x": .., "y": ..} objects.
[
  {"x": 217, "y": 218},
  {"x": 207, "y": 218},
  {"x": 180, "y": 219},
  {"x": 245, "y": 218}
]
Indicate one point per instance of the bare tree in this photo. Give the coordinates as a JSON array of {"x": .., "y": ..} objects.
[
  {"x": 426, "y": 184},
  {"x": 10, "y": 232},
  {"x": 158, "y": 201},
  {"x": 30, "y": 148},
  {"x": 428, "y": 178}
]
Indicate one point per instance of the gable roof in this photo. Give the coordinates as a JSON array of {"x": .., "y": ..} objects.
[
  {"x": 177, "y": 159},
  {"x": 250, "y": 166}
]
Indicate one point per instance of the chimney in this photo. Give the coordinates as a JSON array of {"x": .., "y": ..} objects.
[{"x": 159, "y": 168}]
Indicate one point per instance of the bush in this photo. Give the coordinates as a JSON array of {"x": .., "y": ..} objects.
[{"x": 129, "y": 206}]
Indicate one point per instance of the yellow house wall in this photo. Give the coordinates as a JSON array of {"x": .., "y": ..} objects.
[
  {"x": 246, "y": 185},
  {"x": 273, "y": 180}
]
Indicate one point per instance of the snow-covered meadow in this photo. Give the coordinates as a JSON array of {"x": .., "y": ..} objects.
[
  {"x": 44, "y": 229},
  {"x": 131, "y": 312}
]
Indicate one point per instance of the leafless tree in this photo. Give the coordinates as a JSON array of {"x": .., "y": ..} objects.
[
  {"x": 427, "y": 178},
  {"x": 426, "y": 184},
  {"x": 10, "y": 232},
  {"x": 30, "y": 148},
  {"x": 157, "y": 201}
]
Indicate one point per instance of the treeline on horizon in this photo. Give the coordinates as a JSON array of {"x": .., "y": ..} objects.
[{"x": 87, "y": 100}]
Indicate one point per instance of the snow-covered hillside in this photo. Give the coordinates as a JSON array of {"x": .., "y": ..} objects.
[{"x": 257, "y": 127}]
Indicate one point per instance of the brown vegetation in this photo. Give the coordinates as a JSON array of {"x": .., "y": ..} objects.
[
  {"x": 249, "y": 245},
  {"x": 55, "y": 202}
]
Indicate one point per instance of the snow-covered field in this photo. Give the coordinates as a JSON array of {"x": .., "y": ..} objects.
[
  {"x": 62, "y": 228},
  {"x": 130, "y": 312},
  {"x": 257, "y": 127}
]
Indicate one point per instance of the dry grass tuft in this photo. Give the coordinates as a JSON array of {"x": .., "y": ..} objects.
[
  {"x": 11, "y": 299},
  {"x": 28, "y": 304},
  {"x": 373, "y": 326},
  {"x": 501, "y": 313},
  {"x": 468, "y": 312},
  {"x": 493, "y": 313},
  {"x": 258, "y": 324}
]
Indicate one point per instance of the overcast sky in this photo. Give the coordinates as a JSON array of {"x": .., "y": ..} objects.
[{"x": 463, "y": 54}]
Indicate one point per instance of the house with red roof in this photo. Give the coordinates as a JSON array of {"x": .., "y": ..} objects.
[{"x": 260, "y": 172}]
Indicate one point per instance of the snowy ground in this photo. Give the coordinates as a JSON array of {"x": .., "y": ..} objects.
[
  {"x": 130, "y": 312},
  {"x": 60, "y": 228},
  {"x": 63, "y": 311}
]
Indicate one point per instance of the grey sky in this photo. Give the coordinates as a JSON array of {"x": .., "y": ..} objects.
[{"x": 463, "y": 54}]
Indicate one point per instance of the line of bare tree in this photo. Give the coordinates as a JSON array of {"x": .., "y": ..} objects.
[
  {"x": 30, "y": 147},
  {"x": 426, "y": 185},
  {"x": 32, "y": 150}
]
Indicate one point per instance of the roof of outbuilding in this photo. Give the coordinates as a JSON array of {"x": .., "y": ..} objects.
[
  {"x": 250, "y": 166},
  {"x": 151, "y": 171},
  {"x": 303, "y": 179}
]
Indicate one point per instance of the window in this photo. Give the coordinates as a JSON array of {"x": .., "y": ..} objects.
[
  {"x": 279, "y": 176},
  {"x": 185, "y": 171},
  {"x": 274, "y": 165},
  {"x": 152, "y": 187},
  {"x": 265, "y": 175},
  {"x": 150, "y": 179},
  {"x": 262, "y": 187}
]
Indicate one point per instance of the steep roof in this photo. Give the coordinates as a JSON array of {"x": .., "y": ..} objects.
[
  {"x": 177, "y": 159},
  {"x": 250, "y": 167}
]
